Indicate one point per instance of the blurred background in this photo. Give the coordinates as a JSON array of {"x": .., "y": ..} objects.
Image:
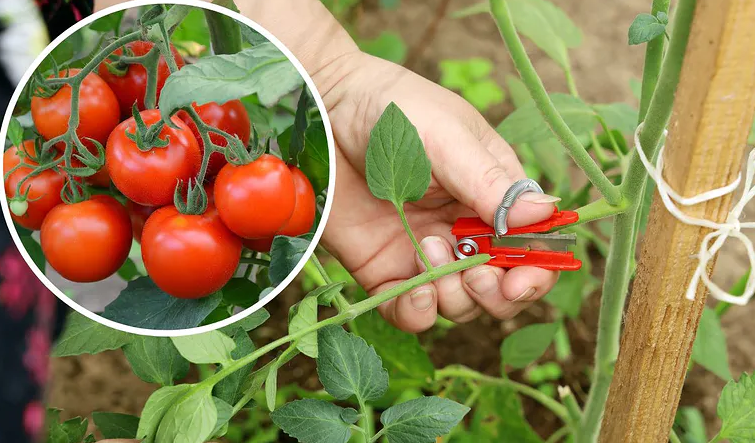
[{"x": 426, "y": 37}]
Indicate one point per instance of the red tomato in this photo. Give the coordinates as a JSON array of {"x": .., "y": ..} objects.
[
  {"x": 139, "y": 215},
  {"x": 98, "y": 111},
  {"x": 301, "y": 220},
  {"x": 88, "y": 241},
  {"x": 44, "y": 188},
  {"x": 230, "y": 117},
  {"x": 131, "y": 87},
  {"x": 149, "y": 178},
  {"x": 189, "y": 256},
  {"x": 255, "y": 200}
]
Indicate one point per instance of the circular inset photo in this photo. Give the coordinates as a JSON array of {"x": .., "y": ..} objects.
[{"x": 166, "y": 167}]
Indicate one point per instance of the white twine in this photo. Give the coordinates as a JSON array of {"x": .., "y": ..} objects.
[{"x": 732, "y": 227}]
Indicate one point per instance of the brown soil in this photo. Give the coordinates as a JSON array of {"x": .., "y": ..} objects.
[{"x": 603, "y": 66}]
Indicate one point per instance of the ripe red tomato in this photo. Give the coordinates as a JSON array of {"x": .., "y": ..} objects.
[
  {"x": 131, "y": 87},
  {"x": 139, "y": 215},
  {"x": 230, "y": 117},
  {"x": 301, "y": 220},
  {"x": 255, "y": 200},
  {"x": 44, "y": 189},
  {"x": 149, "y": 178},
  {"x": 87, "y": 241},
  {"x": 189, "y": 256},
  {"x": 98, "y": 110}
]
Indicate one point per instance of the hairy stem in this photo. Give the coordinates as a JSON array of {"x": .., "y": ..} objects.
[
  {"x": 653, "y": 62},
  {"x": 340, "y": 301},
  {"x": 366, "y": 422},
  {"x": 462, "y": 372},
  {"x": 225, "y": 34},
  {"x": 546, "y": 107},
  {"x": 410, "y": 233}
]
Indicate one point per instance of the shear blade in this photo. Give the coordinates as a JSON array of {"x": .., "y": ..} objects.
[{"x": 537, "y": 242}]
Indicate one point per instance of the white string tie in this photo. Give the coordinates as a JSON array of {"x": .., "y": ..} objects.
[{"x": 732, "y": 227}]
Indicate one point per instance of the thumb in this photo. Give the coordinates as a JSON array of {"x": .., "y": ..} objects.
[{"x": 479, "y": 180}]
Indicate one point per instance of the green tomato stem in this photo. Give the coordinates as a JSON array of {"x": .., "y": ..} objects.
[
  {"x": 534, "y": 85},
  {"x": 225, "y": 34},
  {"x": 340, "y": 301},
  {"x": 410, "y": 233},
  {"x": 366, "y": 422},
  {"x": 255, "y": 261}
]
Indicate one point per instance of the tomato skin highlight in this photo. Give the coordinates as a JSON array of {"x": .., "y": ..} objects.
[
  {"x": 98, "y": 111},
  {"x": 87, "y": 241},
  {"x": 132, "y": 87},
  {"x": 257, "y": 199},
  {"x": 301, "y": 220},
  {"x": 230, "y": 117},
  {"x": 189, "y": 256},
  {"x": 149, "y": 178},
  {"x": 45, "y": 188}
]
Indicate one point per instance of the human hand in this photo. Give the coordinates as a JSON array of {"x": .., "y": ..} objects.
[{"x": 472, "y": 169}]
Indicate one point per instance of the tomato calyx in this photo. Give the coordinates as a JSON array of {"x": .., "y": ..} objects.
[
  {"x": 146, "y": 138},
  {"x": 75, "y": 191},
  {"x": 195, "y": 201},
  {"x": 43, "y": 87},
  {"x": 91, "y": 163}
]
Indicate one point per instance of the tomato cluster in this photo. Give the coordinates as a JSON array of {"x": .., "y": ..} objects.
[{"x": 186, "y": 255}]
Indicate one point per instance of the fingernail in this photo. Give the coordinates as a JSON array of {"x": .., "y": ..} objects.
[
  {"x": 422, "y": 300},
  {"x": 484, "y": 283},
  {"x": 526, "y": 295},
  {"x": 435, "y": 251},
  {"x": 534, "y": 197}
]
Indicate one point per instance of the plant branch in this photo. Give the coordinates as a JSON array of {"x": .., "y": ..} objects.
[
  {"x": 653, "y": 62},
  {"x": 534, "y": 85},
  {"x": 341, "y": 303},
  {"x": 458, "y": 371},
  {"x": 225, "y": 34},
  {"x": 410, "y": 233},
  {"x": 558, "y": 435},
  {"x": 368, "y": 427},
  {"x": 255, "y": 261}
]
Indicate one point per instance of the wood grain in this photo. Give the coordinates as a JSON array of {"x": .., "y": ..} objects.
[{"x": 712, "y": 115}]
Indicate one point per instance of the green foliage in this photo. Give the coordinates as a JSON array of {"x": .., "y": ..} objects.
[
  {"x": 315, "y": 161},
  {"x": 193, "y": 31},
  {"x": 115, "y": 425},
  {"x": 285, "y": 254},
  {"x": 646, "y": 27},
  {"x": 142, "y": 304},
  {"x": 129, "y": 271},
  {"x": 689, "y": 425},
  {"x": 397, "y": 166},
  {"x": 155, "y": 409},
  {"x": 304, "y": 315},
  {"x": 388, "y": 45},
  {"x": 241, "y": 292},
  {"x": 472, "y": 78},
  {"x": 230, "y": 389},
  {"x": 191, "y": 419},
  {"x": 421, "y": 420},
  {"x": 736, "y": 409},
  {"x": 209, "y": 347},
  {"x": 84, "y": 336},
  {"x": 261, "y": 70},
  {"x": 15, "y": 132},
  {"x": 70, "y": 431},
  {"x": 498, "y": 417},
  {"x": 293, "y": 149},
  {"x": 573, "y": 287},
  {"x": 709, "y": 348},
  {"x": 314, "y": 421},
  {"x": 155, "y": 359},
  {"x": 34, "y": 250},
  {"x": 526, "y": 124},
  {"x": 527, "y": 344}
]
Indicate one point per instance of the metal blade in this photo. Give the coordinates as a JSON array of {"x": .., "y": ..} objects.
[{"x": 538, "y": 242}]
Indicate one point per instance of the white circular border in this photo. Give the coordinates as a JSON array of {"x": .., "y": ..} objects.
[{"x": 328, "y": 203}]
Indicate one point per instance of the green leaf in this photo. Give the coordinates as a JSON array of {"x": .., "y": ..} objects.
[
  {"x": 350, "y": 415},
  {"x": 129, "y": 271},
  {"x": 248, "y": 323},
  {"x": 225, "y": 413},
  {"x": 421, "y": 420},
  {"x": 709, "y": 348},
  {"x": 262, "y": 69},
  {"x": 241, "y": 292},
  {"x": 312, "y": 421},
  {"x": 527, "y": 344},
  {"x": 35, "y": 251},
  {"x": 84, "y": 336},
  {"x": 114, "y": 425},
  {"x": 285, "y": 254},
  {"x": 388, "y": 45},
  {"x": 400, "y": 352},
  {"x": 108, "y": 23},
  {"x": 193, "y": 28},
  {"x": 736, "y": 409},
  {"x": 518, "y": 92},
  {"x": 191, "y": 419},
  {"x": 155, "y": 359},
  {"x": 209, "y": 347},
  {"x": 397, "y": 166},
  {"x": 325, "y": 294},
  {"x": 15, "y": 132},
  {"x": 301, "y": 121},
  {"x": 552, "y": 160},
  {"x": 142, "y": 304},
  {"x": 573, "y": 287},
  {"x": 549, "y": 28},
  {"x": 348, "y": 366},
  {"x": 619, "y": 116},
  {"x": 230, "y": 389},
  {"x": 155, "y": 409},
  {"x": 483, "y": 94},
  {"x": 271, "y": 388},
  {"x": 690, "y": 425},
  {"x": 499, "y": 416},
  {"x": 526, "y": 124},
  {"x": 315, "y": 160},
  {"x": 644, "y": 28},
  {"x": 304, "y": 316},
  {"x": 70, "y": 431}
]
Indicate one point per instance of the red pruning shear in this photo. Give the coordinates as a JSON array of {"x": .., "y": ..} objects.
[{"x": 522, "y": 246}]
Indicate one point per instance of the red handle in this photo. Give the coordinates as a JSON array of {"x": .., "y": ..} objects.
[{"x": 466, "y": 226}]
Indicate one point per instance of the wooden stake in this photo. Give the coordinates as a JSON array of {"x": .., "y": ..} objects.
[{"x": 713, "y": 111}]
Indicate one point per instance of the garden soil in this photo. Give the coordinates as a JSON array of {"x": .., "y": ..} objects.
[{"x": 603, "y": 67}]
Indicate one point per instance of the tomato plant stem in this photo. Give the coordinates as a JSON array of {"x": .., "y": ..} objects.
[
  {"x": 255, "y": 261},
  {"x": 340, "y": 301},
  {"x": 558, "y": 435},
  {"x": 410, "y": 233},
  {"x": 462, "y": 372},
  {"x": 366, "y": 422},
  {"x": 653, "y": 62},
  {"x": 534, "y": 85},
  {"x": 225, "y": 34},
  {"x": 600, "y": 209}
]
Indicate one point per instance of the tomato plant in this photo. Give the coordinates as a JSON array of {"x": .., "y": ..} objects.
[
  {"x": 87, "y": 241},
  {"x": 149, "y": 177}
]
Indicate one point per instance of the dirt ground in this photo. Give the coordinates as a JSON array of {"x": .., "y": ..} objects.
[{"x": 603, "y": 66}]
